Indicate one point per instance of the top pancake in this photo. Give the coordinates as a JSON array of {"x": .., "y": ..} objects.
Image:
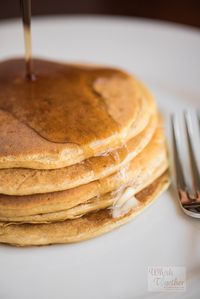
[{"x": 69, "y": 113}]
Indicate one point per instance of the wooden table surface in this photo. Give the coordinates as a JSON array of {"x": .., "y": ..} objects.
[{"x": 184, "y": 12}]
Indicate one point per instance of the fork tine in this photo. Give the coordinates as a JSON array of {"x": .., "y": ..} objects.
[
  {"x": 193, "y": 161},
  {"x": 180, "y": 179},
  {"x": 198, "y": 117},
  {"x": 192, "y": 206}
]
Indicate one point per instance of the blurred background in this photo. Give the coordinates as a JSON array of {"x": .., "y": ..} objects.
[{"x": 179, "y": 11}]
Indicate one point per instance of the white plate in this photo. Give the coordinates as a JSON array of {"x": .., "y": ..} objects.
[{"x": 167, "y": 58}]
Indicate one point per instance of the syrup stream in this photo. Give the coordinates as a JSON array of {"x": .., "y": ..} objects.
[{"x": 26, "y": 18}]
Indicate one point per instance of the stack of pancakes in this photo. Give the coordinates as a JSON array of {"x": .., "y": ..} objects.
[{"x": 82, "y": 151}]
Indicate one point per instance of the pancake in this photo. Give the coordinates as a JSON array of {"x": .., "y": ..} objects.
[
  {"x": 108, "y": 200},
  {"x": 20, "y": 181},
  {"x": 86, "y": 227},
  {"x": 93, "y": 204},
  {"x": 139, "y": 172},
  {"x": 68, "y": 114}
]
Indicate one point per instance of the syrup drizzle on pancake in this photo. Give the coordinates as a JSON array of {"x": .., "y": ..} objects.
[{"x": 61, "y": 105}]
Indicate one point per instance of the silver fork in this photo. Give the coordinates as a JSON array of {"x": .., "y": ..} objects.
[{"x": 189, "y": 201}]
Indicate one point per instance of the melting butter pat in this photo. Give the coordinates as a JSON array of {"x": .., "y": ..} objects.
[{"x": 126, "y": 202}]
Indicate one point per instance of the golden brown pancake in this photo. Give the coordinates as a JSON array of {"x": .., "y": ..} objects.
[
  {"x": 93, "y": 204},
  {"x": 21, "y": 181},
  {"x": 107, "y": 200},
  {"x": 68, "y": 114},
  {"x": 82, "y": 151},
  {"x": 139, "y": 172},
  {"x": 86, "y": 227}
]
